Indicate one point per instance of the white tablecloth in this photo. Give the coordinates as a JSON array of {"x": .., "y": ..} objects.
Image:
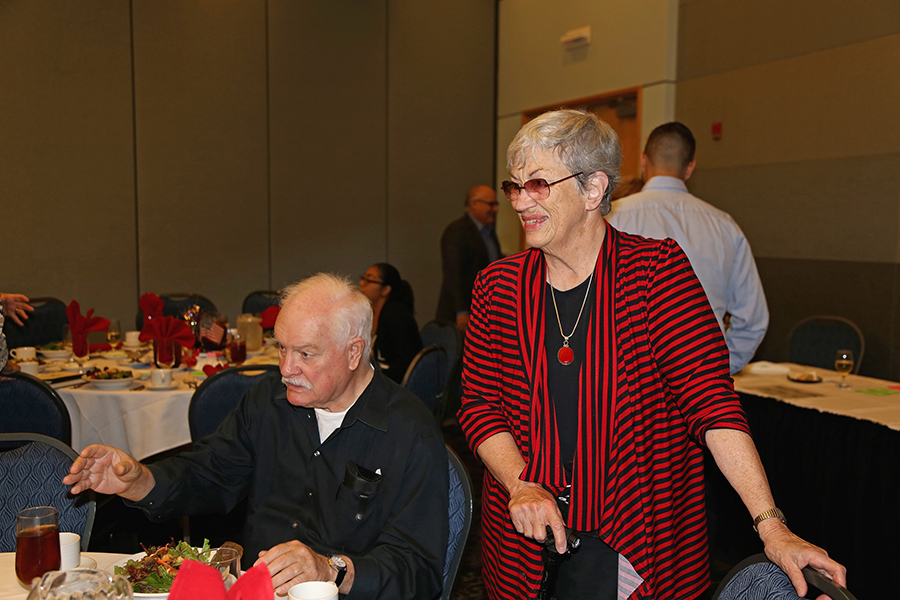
[
  {"x": 868, "y": 399},
  {"x": 140, "y": 422},
  {"x": 11, "y": 589}
]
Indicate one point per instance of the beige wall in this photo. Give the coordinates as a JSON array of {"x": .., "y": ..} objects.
[
  {"x": 633, "y": 44},
  {"x": 231, "y": 146},
  {"x": 809, "y": 161}
]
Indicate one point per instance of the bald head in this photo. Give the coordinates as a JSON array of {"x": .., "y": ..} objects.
[{"x": 481, "y": 202}]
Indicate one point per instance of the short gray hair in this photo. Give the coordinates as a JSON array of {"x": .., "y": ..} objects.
[
  {"x": 352, "y": 313},
  {"x": 581, "y": 141}
]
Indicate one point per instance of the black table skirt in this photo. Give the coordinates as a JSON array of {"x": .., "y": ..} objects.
[{"x": 836, "y": 478}]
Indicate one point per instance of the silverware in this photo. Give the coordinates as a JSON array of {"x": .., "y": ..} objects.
[{"x": 138, "y": 388}]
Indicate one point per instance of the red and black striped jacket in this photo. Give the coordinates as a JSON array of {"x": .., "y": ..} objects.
[{"x": 654, "y": 381}]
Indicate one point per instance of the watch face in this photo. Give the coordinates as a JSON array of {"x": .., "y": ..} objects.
[{"x": 338, "y": 562}]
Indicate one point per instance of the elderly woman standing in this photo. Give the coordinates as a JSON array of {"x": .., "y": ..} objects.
[{"x": 594, "y": 373}]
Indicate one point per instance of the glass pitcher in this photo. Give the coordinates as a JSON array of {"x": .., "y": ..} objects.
[{"x": 81, "y": 584}]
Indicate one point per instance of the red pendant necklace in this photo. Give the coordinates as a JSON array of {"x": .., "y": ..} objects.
[{"x": 565, "y": 355}]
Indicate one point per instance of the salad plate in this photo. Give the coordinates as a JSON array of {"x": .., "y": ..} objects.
[
  {"x": 109, "y": 384},
  {"x": 52, "y": 354}
]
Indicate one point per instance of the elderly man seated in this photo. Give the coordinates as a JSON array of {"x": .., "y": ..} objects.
[{"x": 346, "y": 472}]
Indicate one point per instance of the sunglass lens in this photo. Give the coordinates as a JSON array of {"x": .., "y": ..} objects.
[
  {"x": 537, "y": 188},
  {"x": 510, "y": 189}
]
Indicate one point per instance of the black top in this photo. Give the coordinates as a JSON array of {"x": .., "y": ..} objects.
[
  {"x": 397, "y": 339},
  {"x": 562, "y": 380},
  {"x": 389, "y": 449},
  {"x": 463, "y": 254}
]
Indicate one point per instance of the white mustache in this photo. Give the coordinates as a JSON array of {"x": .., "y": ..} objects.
[{"x": 296, "y": 382}]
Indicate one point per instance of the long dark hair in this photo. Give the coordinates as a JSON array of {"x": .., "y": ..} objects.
[{"x": 401, "y": 291}]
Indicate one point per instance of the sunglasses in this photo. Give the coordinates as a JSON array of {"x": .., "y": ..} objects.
[{"x": 538, "y": 189}]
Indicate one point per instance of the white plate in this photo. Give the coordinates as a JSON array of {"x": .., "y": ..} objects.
[
  {"x": 110, "y": 384},
  {"x": 141, "y": 364},
  {"x": 160, "y": 388},
  {"x": 55, "y": 353},
  {"x": 139, "y": 556},
  {"x": 70, "y": 366},
  {"x": 87, "y": 562}
]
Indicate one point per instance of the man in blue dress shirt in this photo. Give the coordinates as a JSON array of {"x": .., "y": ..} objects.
[{"x": 715, "y": 245}]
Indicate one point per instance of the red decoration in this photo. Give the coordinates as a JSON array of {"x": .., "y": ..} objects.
[
  {"x": 268, "y": 317},
  {"x": 80, "y": 326}
]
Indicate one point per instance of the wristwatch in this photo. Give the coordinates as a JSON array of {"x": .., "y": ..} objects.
[
  {"x": 340, "y": 565},
  {"x": 772, "y": 513}
]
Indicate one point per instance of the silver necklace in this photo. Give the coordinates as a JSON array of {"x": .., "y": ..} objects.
[{"x": 565, "y": 355}]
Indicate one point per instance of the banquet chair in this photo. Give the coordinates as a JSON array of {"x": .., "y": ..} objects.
[
  {"x": 815, "y": 340},
  {"x": 256, "y": 302},
  {"x": 211, "y": 402},
  {"x": 174, "y": 305},
  {"x": 29, "y": 405},
  {"x": 461, "y": 507},
  {"x": 426, "y": 376},
  {"x": 447, "y": 337},
  {"x": 31, "y": 475},
  {"x": 757, "y": 578},
  {"x": 219, "y": 395},
  {"x": 44, "y": 324}
]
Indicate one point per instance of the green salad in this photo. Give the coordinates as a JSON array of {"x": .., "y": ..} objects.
[{"x": 155, "y": 572}]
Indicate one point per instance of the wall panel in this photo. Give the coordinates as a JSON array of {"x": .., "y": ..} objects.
[
  {"x": 200, "y": 110},
  {"x": 66, "y": 163},
  {"x": 328, "y": 110}
]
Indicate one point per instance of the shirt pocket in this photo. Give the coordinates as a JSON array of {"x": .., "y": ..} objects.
[{"x": 358, "y": 494}]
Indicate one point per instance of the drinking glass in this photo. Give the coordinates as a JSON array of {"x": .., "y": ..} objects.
[
  {"x": 70, "y": 341},
  {"x": 228, "y": 562},
  {"x": 843, "y": 364},
  {"x": 114, "y": 333},
  {"x": 37, "y": 543},
  {"x": 237, "y": 348},
  {"x": 84, "y": 584},
  {"x": 164, "y": 355}
]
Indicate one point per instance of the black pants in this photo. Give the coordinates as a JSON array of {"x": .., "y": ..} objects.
[{"x": 589, "y": 573}]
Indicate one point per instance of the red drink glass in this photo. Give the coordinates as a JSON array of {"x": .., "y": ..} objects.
[
  {"x": 37, "y": 543},
  {"x": 238, "y": 350}
]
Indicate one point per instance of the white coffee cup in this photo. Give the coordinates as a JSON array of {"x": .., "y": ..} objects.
[
  {"x": 29, "y": 366},
  {"x": 161, "y": 377},
  {"x": 314, "y": 590},
  {"x": 24, "y": 353},
  {"x": 70, "y": 550},
  {"x": 132, "y": 338}
]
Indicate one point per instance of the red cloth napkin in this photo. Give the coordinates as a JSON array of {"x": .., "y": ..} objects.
[
  {"x": 190, "y": 358},
  {"x": 268, "y": 317},
  {"x": 151, "y": 305},
  {"x": 196, "y": 580},
  {"x": 80, "y": 325},
  {"x": 167, "y": 331},
  {"x": 211, "y": 370}
]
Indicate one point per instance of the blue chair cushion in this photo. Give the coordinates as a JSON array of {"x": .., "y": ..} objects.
[{"x": 759, "y": 581}]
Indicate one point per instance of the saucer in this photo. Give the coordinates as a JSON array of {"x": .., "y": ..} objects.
[{"x": 160, "y": 388}]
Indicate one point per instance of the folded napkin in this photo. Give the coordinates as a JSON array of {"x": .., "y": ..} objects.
[
  {"x": 151, "y": 305},
  {"x": 268, "y": 317},
  {"x": 211, "y": 370},
  {"x": 167, "y": 331},
  {"x": 764, "y": 367},
  {"x": 196, "y": 580},
  {"x": 80, "y": 325}
]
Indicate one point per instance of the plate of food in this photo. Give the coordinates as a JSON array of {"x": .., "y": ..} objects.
[
  {"x": 152, "y": 572},
  {"x": 109, "y": 379},
  {"x": 804, "y": 377},
  {"x": 54, "y": 350}
]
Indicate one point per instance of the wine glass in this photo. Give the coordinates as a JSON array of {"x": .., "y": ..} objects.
[
  {"x": 37, "y": 543},
  {"x": 114, "y": 333},
  {"x": 843, "y": 364},
  {"x": 70, "y": 342}
]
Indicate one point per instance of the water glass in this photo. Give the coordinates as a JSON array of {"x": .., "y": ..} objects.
[
  {"x": 37, "y": 543},
  {"x": 81, "y": 584}
]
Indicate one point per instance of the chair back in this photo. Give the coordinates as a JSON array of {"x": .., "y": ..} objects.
[
  {"x": 219, "y": 395},
  {"x": 44, "y": 324},
  {"x": 815, "y": 340},
  {"x": 174, "y": 305},
  {"x": 757, "y": 578},
  {"x": 256, "y": 302},
  {"x": 461, "y": 507},
  {"x": 426, "y": 376},
  {"x": 31, "y": 475},
  {"x": 445, "y": 336},
  {"x": 29, "y": 405}
]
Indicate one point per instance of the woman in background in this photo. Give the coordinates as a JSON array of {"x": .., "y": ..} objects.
[{"x": 395, "y": 333}]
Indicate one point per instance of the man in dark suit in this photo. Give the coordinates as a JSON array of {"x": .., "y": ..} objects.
[{"x": 468, "y": 245}]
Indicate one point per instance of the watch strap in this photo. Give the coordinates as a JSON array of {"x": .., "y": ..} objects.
[
  {"x": 772, "y": 513},
  {"x": 341, "y": 571}
]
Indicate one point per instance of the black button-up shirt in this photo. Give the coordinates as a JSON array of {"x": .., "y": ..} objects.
[{"x": 376, "y": 490}]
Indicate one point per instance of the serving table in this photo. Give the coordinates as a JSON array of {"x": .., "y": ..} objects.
[
  {"x": 12, "y": 589},
  {"x": 832, "y": 457}
]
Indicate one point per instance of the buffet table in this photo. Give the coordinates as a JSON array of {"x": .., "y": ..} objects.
[{"x": 831, "y": 456}]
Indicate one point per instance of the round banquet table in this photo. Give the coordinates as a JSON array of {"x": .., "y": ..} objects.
[{"x": 12, "y": 589}]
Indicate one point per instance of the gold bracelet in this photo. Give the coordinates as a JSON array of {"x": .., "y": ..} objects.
[{"x": 772, "y": 513}]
